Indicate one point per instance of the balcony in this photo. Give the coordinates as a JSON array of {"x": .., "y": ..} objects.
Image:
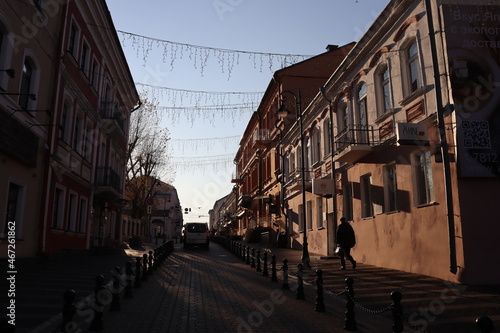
[
  {"x": 112, "y": 116},
  {"x": 236, "y": 178},
  {"x": 354, "y": 142},
  {"x": 294, "y": 183},
  {"x": 261, "y": 138},
  {"x": 108, "y": 180}
]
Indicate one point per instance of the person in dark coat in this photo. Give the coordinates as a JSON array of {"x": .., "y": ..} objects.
[{"x": 346, "y": 239}]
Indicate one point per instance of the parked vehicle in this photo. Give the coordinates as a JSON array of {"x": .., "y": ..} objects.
[{"x": 196, "y": 234}]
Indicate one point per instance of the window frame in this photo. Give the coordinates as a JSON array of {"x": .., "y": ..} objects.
[
  {"x": 390, "y": 188},
  {"x": 367, "y": 209},
  {"x": 413, "y": 68},
  {"x": 423, "y": 178}
]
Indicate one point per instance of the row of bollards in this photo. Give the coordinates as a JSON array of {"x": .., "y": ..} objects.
[
  {"x": 109, "y": 294},
  {"x": 251, "y": 256}
]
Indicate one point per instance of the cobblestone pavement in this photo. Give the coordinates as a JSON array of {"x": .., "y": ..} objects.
[{"x": 213, "y": 291}]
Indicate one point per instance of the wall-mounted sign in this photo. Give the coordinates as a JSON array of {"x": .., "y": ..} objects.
[
  {"x": 410, "y": 134},
  {"x": 323, "y": 186}
]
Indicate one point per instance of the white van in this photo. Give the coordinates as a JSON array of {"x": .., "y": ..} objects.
[{"x": 196, "y": 234}]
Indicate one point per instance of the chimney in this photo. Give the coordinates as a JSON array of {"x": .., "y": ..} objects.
[{"x": 331, "y": 47}]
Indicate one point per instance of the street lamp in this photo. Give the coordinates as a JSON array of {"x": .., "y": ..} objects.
[{"x": 282, "y": 114}]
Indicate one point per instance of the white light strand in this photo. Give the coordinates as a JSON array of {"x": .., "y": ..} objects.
[
  {"x": 206, "y": 144},
  {"x": 200, "y": 55}
]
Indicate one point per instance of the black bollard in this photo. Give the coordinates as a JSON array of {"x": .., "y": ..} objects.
[
  {"x": 284, "y": 268},
  {"x": 68, "y": 311},
  {"x": 115, "y": 301},
  {"x": 257, "y": 259},
  {"x": 243, "y": 252},
  {"x": 397, "y": 312},
  {"x": 150, "y": 263},
  {"x": 144, "y": 267},
  {"x": 350, "y": 320},
  {"x": 248, "y": 255},
  {"x": 265, "y": 271},
  {"x": 274, "y": 277},
  {"x": 129, "y": 278},
  {"x": 300, "y": 282},
  {"x": 253, "y": 258},
  {"x": 97, "y": 323},
  {"x": 485, "y": 324},
  {"x": 320, "y": 303},
  {"x": 138, "y": 270}
]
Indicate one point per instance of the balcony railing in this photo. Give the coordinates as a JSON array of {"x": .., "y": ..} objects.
[
  {"x": 107, "y": 177},
  {"x": 355, "y": 134},
  {"x": 261, "y": 137},
  {"x": 111, "y": 110}
]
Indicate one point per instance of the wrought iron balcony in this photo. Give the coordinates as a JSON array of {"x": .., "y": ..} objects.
[
  {"x": 354, "y": 142},
  {"x": 110, "y": 111},
  {"x": 261, "y": 137},
  {"x": 107, "y": 177}
]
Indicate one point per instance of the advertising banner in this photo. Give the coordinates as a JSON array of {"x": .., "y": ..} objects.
[{"x": 473, "y": 47}]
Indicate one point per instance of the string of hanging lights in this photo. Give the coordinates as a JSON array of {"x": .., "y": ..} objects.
[
  {"x": 205, "y": 144},
  {"x": 200, "y": 55}
]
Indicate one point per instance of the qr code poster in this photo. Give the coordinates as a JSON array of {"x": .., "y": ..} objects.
[
  {"x": 478, "y": 147},
  {"x": 471, "y": 34},
  {"x": 476, "y": 134}
]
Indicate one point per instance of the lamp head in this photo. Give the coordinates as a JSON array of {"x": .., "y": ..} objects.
[{"x": 283, "y": 111}]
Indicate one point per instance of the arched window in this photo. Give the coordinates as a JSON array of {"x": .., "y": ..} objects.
[
  {"x": 414, "y": 71},
  {"x": 327, "y": 135},
  {"x": 316, "y": 148},
  {"x": 361, "y": 105},
  {"x": 384, "y": 92}
]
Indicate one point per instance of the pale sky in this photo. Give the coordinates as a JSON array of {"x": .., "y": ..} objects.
[{"x": 255, "y": 26}]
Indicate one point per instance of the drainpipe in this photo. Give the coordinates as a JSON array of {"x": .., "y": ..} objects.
[
  {"x": 444, "y": 143},
  {"x": 334, "y": 171}
]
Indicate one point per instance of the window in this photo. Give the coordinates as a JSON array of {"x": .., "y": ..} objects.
[
  {"x": 301, "y": 218},
  {"x": 413, "y": 68},
  {"x": 307, "y": 152},
  {"x": 87, "y": 144},
  {"x": 390, "y": 188},
  {"x": 366, "y": 196},
  {"x": 319, "y": 212},
  {"x": 423, "y": 182},
  {"x": 327, "y": 134},
  {"x": 347, "y": 200},
  {"x": 58, "y": 209},
  {"x": 362, "y": 114},
  {"x": 342, "y": 117},
  {"x": 94, "y": 80},
  {"x": 73, "y": 40},
  {"x": 82, "y": 216},
  {"x": 309, "y": 214},
  {"x": 85, "y": 59},
  {"x": 13, "y": 210},
  {"x": 71, "y": 219},
  {"x": 26, "y": 81},
  {"x": 385, "y": 96},
  {"x": 77, "y": 135},
  {"x": 316, "y": 153}
]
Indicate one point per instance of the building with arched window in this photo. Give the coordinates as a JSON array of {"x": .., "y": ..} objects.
[{"x": 66, "y": 94}]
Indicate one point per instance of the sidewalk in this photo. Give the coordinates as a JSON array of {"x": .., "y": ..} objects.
[{"x": 430, "y": 305}]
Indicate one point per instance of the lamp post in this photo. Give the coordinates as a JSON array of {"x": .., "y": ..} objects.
[{"x": 283, "y": 113}]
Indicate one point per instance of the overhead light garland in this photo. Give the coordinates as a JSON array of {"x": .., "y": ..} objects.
[
  {"x": 206, "y": 144},
  {"x": 203, "y": 164},
  {"x": 205, "y": 105},
  {"x": 200, "y": 55}
]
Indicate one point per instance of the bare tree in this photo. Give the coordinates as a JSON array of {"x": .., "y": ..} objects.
[{"x": 148, "y": 158}]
